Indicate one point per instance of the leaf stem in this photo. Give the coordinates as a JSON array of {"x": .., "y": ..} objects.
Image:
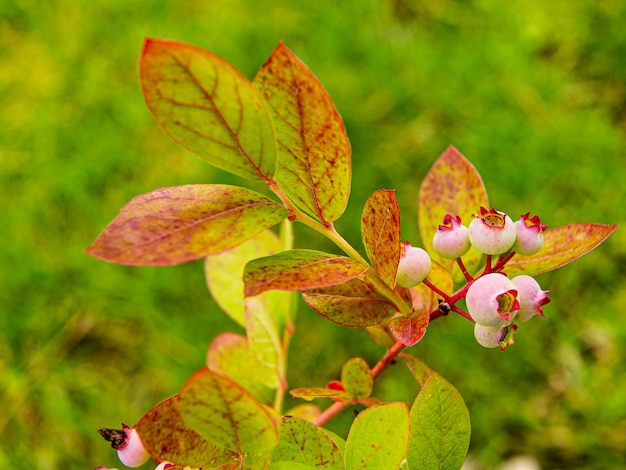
[{"x": 329, "y": 232}]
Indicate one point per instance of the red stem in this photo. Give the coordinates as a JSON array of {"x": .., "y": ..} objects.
[{"x": 467, "y": 275}]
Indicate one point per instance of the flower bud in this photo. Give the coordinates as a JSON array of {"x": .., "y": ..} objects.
[
  {"x": 414, "y": 266},
  {"x": 495, "y": 336},
  {"x": 132, "y": 453},
  {"x": 492, "y": 232},
  {"x": 451, "y": 239},
  {"x": 492, "y": 300},
  {"x": 529, "y": 235},
  {"x": 531, "y": 297}
]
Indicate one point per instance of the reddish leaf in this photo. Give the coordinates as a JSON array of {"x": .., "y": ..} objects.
[
  {"x": 225, "y": 413},
  {"x": 380, "y": 228},
  {"x": 353, "y": 303},
  {"x": 452, "y": 186},
  {"x": 410, "y": 329},
  {"x": 208, "y": 107},
  {"x": 298, "y": 270},
  {"x": 562, "y": 245},
  {"x": 356, "y": 377},
  {"x": 173, "y": 225},
  {"x": 313, "y": 149},
  {"x": 167, "y": 437}
]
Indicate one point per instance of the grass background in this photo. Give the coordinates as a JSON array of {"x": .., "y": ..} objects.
[{"x": 532, "y": 92}]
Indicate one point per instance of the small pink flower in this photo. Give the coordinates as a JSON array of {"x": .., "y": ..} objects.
[
  {"x": 415, "y": 264},
  {"x": 495, "y": 336},
  {"x": 492, "y": 300},
  {"x": 492, "y": 232},
  {"x": 451, "y": 240},
  {"x": 529, "y": 235},
  {"x": 531, "y": 297}
]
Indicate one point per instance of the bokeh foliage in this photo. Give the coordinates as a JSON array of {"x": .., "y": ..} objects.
[{"x": 532, "y": 92}]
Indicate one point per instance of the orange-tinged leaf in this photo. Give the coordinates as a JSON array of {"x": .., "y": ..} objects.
[
  {"x": 452, "y": 186},
  {"x": 562, "y": 245},
  {"x": 353, "y": 303},
  {"x": 167, "y": 437},
  {"x": 380, "y": 228},
  {"x": 181, "y": 223},
  {"x": 309, "y": 393},
  {"x": 298, "y": 270},
  {"x": 314, "y": 167},
  {"x": 410, "y": 329},
  {"x": 223, "y": 412},
  {"x": 208, "y": 107},
  {"x": 228, "y": 354}
]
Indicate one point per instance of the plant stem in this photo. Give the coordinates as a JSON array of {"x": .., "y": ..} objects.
[{"x": 382, "y": 365}]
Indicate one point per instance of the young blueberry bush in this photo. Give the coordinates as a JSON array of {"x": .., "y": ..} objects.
[{"x": 283, "y": 130}]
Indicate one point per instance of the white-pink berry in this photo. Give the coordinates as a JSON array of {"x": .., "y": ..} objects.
[
  {"x": 495, "y": 336},
  {"x": 414, "y": 266},
  {"x": 132, "y": 453},
  {"x": 164, "y": 466},
  {"x": 529, "y": 235},
  {"x": 451, "y": 239},
  {"x": 492, "y": 232},
  {"x": 492, "y": 300},
  {"x": 531, "y": 297}
]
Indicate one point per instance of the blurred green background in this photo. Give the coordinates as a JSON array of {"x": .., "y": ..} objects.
[{"x": 532, "y": 92}]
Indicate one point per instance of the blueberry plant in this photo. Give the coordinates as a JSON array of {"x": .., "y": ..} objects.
[{"x": 282, "y": 129}]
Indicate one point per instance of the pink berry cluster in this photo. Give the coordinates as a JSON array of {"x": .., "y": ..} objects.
[{"x": 494, "y": 302}]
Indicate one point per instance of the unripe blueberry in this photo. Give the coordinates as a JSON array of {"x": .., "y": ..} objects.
[
  {"x": 492, "y": 300},
  {"x": 492, "y": 232},
  {"x": 164, "y": 465},
  {"x": 529, "y": 235},
  {"x": 531, "y": 297},
  {"x": 495, "y": 336},
  {"x": 451, "y": 239},
  {"x": 132, "y": 453},
  {"x": 414, "y": 266}
]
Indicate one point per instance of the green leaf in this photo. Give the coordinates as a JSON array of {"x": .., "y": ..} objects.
[
  {"x": 309, "y": 393},
  {"x": 228, "y": 354},
  {"x": 224, "y": 413},
  {"x": 263, "y": 344},
  {"x": 380, "y": 228},
  {"x": 452, "y": 186},
  {"x": 207, "y": 106},
  {"x": 167, "y": 437},
  {"x": 378, "y": 438},
  {"x": 410, "y": 329},
  {"x": 298, "y": 270},
  {"x": 182, "y": 223},
  {"x": 353, "y": 303},
  {"x": 562, "y": 245},
  {"x": 356, "y": 377},
  {"x": 418, "y": 368},
  {"x": 314, "y": 167},
  {"x": 440, "y": 426},
  {"x": 224, "y": 272},
  {"x": 301, "y": 442}
]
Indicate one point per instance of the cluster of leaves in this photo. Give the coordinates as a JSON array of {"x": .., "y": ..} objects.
[{"x": 282, "y": 129}]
